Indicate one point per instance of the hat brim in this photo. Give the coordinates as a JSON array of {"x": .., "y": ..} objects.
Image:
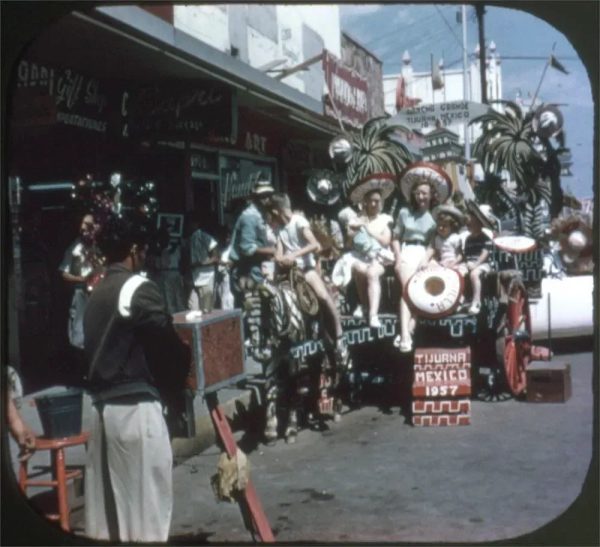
[
  {"x": 382, "y": 183},
  {"x": 422, "y": 172},
  {"x": 448, "y": 210},
  {"x": 473, "y": 208},
  {"x": 324, "y": 199},
  {"x": 263, "y": 191}
]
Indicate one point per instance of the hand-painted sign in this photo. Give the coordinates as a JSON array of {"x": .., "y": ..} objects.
[
  {"x": 47, "y": 95},
  {"x": 425, "y": 116},
  {"x": 176, "y": 109},
  {"x": 347, "y": 92}
]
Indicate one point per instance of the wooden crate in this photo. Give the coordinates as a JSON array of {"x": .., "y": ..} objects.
[
  {"x": 217, "y": 343},
  {"x": 548, "y": 382}
]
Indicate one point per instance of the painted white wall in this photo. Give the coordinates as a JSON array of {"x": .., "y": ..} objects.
[
  {"x": 211, "y": 24},
  {"x": 208, "y": 23}
]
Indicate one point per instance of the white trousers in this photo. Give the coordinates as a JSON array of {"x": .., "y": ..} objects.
[
  {"x": 410, "y": 258},
  {"x": 128, "y": 474}
]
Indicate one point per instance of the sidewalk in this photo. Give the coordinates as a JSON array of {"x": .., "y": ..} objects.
[{"x": 235, "y": 402}]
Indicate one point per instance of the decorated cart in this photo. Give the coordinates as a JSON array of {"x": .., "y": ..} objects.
[{"x": 458, "y": 352}]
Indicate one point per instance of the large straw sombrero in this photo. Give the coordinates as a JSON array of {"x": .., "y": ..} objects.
[
  {"x": 381, "y": 182},
  {"x": 449, "y": 210},
  {"x": 422, "y": 171}
]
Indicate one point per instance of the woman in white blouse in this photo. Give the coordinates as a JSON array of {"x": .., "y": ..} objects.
[{"x": 371, "y": 246}]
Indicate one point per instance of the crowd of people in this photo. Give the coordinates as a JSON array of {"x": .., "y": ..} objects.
[{"x": 136, "y": 362}]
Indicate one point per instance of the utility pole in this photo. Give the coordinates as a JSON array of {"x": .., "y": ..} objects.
[
  {"x": 466, "y": 94},
  {"x": 480, "y": 10}
]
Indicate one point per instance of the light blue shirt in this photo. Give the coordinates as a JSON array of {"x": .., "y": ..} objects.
[{"x": 415, "y": 226}]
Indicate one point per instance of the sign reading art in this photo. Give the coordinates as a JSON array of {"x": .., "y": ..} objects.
[
  {"x": 179, "y": 109},
  {"x": 47, "y": 95},
  {"x": 347, "y": 90}
]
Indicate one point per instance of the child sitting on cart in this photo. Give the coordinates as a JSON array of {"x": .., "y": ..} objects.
[
  {"x": 446, "y": 248},
  {"x": 477, "y": 248}
]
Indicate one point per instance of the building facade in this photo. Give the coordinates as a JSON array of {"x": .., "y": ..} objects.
[{"x": 417, "y": 87}]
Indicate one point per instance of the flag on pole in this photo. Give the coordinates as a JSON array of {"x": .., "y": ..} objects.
[
  {"x": 554, "y": 63},
  {"x": 402, "y": 98},
  {"x": 436, "y": 78}
]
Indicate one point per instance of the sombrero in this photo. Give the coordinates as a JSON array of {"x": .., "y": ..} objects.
[
  {"x": 323, "y": 187},
  {"x": 547, "y": 121},
  {"x": 340, "y": 149},
  {"x": 423, "y": 171},
  {"x": 382, "y": 182},
  {"x": 482, "y": 213},
  {"x": 262, "y": 188},
  {"x": 449, "y": 210}
]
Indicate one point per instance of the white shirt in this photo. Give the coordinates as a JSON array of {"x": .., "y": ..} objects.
[
  {"x": 293, "y": 239},
  {"x": 447, "y": 249}
]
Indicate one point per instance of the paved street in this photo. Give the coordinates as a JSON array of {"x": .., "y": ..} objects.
[{"x": 374, "y": 478}]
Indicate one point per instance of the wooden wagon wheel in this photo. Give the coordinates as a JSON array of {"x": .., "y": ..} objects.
[{"x": 517, "y": 340}]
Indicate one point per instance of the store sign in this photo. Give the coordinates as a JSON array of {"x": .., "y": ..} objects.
[
  {"x": 47, "y": 95},
  {"x": 425, "y": 116},
  {"x": 347, "y": 92},
  {"x": 176, "y": 109},
  {"x": 255, "y": 143}
]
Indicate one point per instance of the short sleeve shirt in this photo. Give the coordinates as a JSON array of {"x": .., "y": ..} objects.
[
  {"x": 292, "y": 239},
  {"x": 76, "y": 261},
  {"x": 415, "y": 227},
  {"x": 447, "y": 249},
  {"x": 475, "y": 245},
  {"x": 201, "y": 247}
]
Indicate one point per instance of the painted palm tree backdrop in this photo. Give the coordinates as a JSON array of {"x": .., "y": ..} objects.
[
  {"x": 510, "y": 143},
  {"x": 375, "y": 151}
]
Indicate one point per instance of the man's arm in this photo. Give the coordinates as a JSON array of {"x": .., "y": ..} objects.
[
  {"x": 168, "y": 357},
  {"x": 248, "y": 240}
]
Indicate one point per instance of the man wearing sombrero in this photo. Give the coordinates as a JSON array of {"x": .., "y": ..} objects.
[{"x": 249, "y": 242}]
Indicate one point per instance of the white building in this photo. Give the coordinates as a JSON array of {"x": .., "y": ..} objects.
[
  {"x": 419, "y": 85},
  {"x": 268, "y": 37}
]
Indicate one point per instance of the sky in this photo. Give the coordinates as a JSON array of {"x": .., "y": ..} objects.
[{"x": 390, "y": 29}]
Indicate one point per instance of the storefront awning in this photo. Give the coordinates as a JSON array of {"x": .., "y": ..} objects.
[{"x": 128, "y": 42}]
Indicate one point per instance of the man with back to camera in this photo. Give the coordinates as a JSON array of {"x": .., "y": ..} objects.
[{"x": 136, "y": 363}]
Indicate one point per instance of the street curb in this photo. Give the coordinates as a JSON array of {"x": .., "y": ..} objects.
[{"x": 236, "y": 410}]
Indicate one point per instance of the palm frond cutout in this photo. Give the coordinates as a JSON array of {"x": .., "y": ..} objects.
[
  {"x": 375, "y": 151},
  {"x": 506, "y": 142}
]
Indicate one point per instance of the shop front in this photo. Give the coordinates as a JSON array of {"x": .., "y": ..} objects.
[{"x": 88, "y": 100}]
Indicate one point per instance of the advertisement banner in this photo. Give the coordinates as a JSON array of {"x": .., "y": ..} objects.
[{"x": 347, "y": 92}]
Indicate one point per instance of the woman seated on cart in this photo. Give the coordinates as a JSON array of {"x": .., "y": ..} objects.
[
  {"x": 423, "y": 185},
  {"x": 371, "y": 238}
]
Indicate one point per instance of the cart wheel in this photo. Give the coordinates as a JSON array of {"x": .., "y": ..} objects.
[
  {"x": 515, "y": 354},
  {"x": 514, "y": 366}
]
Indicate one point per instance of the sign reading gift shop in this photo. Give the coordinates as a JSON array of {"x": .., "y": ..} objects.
[
  {"x": 47, "y": 95},
  {"x": 196, "y": 109},
  {"x": 347, "y": 92}
]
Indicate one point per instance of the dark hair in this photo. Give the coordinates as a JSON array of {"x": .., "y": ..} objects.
[
  {"x": 434, "y": 197},
  {"x": 450, "y": 219},
  {"x": 118, "y": 235}
]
